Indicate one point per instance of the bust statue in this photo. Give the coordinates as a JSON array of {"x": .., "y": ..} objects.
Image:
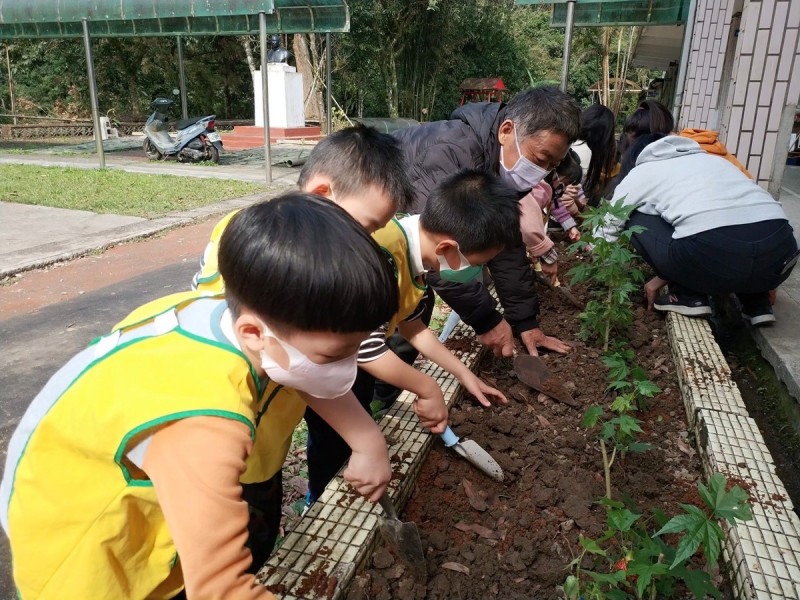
[{"x": 277, "y": 54}]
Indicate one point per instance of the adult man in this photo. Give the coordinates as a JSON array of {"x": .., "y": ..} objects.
[{"x": 521, "y": 142}]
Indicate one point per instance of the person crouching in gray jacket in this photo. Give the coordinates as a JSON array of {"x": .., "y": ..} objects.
[{"x": 709, "y": 229}]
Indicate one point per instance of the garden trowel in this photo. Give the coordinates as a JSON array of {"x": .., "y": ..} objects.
[
  {"x": 472, "y": 452},
  {"x": 402, "y": 537},
  {"x": 560, "y": 288},
  {"x": 532, "y": 371}
]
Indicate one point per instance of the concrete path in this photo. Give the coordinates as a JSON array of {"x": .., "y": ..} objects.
[{"x": 780, "y": 343}]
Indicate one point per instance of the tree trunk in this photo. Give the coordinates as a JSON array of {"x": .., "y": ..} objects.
[
  {"x": 391, "y": 86},
  {"x": 248, "y": 52},
  {"x": 133, "y": 94},
  {"x": 305, "y": 67},
  {"x": 604, "y": 94}
]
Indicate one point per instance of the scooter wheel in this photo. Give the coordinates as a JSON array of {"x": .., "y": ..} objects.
[
  {"x": 213, "y": 153},
  {"x": 151, "y": 151}
]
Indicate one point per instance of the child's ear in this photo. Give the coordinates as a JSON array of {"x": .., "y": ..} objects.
[
  {"x": 249, "y": 331},
  {"x": 320, "y": 187}
]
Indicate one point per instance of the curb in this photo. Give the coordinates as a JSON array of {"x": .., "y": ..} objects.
[
  {"x": 762, "y": 556},
  {"x": 56, "y": 252}
]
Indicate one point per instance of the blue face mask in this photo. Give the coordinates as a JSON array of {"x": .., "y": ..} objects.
[{"x": 465, "y": 272}]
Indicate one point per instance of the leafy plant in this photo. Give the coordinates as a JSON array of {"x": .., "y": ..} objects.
[
  {"x": 629, "y": 559},
  {"x": 612, "y": 268}
]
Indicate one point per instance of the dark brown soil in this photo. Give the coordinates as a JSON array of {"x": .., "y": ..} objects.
[{"x": 508, "y": 540}]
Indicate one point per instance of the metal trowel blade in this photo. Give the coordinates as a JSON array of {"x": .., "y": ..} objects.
[
  {"x": 532, "y": 371},
  {"x": 480, "y": 458}
]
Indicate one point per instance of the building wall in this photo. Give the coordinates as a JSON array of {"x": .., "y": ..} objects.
[
  {"x": 764, "y": 88},
  {"x": 704, "y": 73}
]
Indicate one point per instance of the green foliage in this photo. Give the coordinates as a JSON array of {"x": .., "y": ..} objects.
[
  {"x": 612, "y": 272},
  {"x": 629, "y": 560}
]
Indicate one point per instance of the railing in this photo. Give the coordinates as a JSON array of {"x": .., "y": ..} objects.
[{"x": 54, "y": 130}]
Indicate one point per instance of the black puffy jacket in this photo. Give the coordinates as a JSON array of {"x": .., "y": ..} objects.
[{"x": 434, "y": 151}]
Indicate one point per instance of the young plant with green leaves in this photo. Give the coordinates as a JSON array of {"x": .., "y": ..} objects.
[
  {"x": 612, "y": 269},
  {"x": 629, "y": 379},
  {"x": 629, "y": 560}
]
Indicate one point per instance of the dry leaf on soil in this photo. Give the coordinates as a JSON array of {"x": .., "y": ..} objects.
[
  {"x": 543, "y": 421},
  {"x": 475, "y": 501},
  {"x": 454, "y": 566},
  {"x": 482, "y": 531},
  {"x": 688, "y": 451}
]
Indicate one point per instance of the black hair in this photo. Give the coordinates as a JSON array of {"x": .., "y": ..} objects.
[
  {"x": 476, "y": 209},
  {"x": 300, "y": 261},
  {"x": 597, "y": 130},
  {"x": 633, "y": 152},
  {"x": 570, "y": 168},
  {"x": 544, "y": 108},
  {"x": 357, "y": 157},
  {"x": 649, "y": 117}
]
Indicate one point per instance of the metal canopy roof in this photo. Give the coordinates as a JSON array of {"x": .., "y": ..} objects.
[
  {"x": 602, "y": 13},
  {"x": 133, "y": 18}
]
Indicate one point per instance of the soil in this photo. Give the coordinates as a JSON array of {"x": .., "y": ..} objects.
[{"x": 514, "y": 539}]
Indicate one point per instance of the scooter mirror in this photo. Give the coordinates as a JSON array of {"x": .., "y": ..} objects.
[{"x": 176, "y": 92}]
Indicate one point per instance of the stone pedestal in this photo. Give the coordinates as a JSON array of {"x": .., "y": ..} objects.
[{"x": 285, "y": 97}]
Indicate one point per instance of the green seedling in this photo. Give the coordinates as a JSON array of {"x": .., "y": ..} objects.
[
  {"x": 630, "y": 561},
  {"x": 612, "y": 269}
]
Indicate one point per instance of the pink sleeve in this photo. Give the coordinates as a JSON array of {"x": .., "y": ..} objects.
[
  {"x": 195, "y": 465},
  {"x": 531, "y": 224}
]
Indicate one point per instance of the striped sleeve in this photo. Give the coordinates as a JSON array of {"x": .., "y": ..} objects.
[
  {"x": 374, "y": 346},
  {"x": 419, "y": 311}
]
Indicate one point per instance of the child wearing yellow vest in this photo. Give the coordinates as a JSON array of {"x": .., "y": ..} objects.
[
  {"x": 469, "y": 218},
  {"x": 123, "y": 477}
]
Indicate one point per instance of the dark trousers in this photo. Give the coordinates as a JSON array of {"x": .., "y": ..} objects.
[
  {"x": 326, "y": 451},
  {"x": 743, "y": 259},
  {"x": 265, "y": 501}
]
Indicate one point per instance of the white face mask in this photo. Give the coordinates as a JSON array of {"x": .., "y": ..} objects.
[
  {"x": 524, "y": 175},
  {"x": 330, "y": 380}
]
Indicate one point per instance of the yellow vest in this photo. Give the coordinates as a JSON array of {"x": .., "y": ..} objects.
[
  {"x": 208, "y": 279},
  {"x": 394, "y": 242},
  {"x": 83, "y": 520}
]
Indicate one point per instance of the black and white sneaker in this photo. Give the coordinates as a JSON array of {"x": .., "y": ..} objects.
[
  {"x": 758, "y": 316},
  {"x": 683, "y": 305}
]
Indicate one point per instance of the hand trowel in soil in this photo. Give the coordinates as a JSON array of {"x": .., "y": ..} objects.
[
  {"x": 403, "y": 538},
  {"x": 560, "y": 288},
  {"x": 473, "y": 453},
  {"x": 532, "y": 371}
]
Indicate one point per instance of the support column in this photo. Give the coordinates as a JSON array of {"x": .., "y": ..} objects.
[
  {"x": 567, "y": 44},
  {"x": 328, "y": 119},
  {"x": 98, "y": 136},
  {"x": 683, "y": 66},
  {"x": 262, "y": 30},
  {"x": 182, "y": 79}
]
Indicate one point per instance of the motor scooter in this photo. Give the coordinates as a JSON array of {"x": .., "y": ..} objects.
[{"x": 196, "y": 141}]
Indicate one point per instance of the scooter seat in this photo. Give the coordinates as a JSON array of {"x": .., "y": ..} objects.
[{"x": 184, "y": 123}]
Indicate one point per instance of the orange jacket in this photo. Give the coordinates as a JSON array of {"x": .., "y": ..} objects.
[{"x": 709, "y": 141}]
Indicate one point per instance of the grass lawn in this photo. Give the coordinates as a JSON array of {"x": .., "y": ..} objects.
[{"x": 114, "y": 191}]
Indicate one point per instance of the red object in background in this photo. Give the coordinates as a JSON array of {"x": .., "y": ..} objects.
[
  {"x": 772, "y": 296},
  {"x": 482, "y": 89}
]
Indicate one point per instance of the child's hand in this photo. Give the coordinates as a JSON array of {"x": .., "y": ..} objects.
[
  {"x": 550, "y": 270},
  {"x": 574, "y": 234},
  {"x": 431, "y": 409},
  {"x": 369, "y": 473},
  {"x": 480, "y": 390}
]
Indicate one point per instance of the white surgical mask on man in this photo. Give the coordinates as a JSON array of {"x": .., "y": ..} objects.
[
  {"x": 330, "y": 380},
  {"x": 525, "y": 174}
]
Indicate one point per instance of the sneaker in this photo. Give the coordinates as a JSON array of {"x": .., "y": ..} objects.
[
  {"x": 683, "y": 305},
  {"x": 759, "y": 316}
]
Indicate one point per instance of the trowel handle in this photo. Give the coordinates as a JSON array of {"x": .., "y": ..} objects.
[
  {"x": 388, "y": 506},
  {"x": 449, "y": 437}
]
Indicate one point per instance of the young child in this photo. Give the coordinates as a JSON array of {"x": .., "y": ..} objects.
[
  {"x": 123, "y": 477},
  {"x": 359, "y": 168},
  {"x": 468, "y": 219},
  {"x": 567, "y": 190}
]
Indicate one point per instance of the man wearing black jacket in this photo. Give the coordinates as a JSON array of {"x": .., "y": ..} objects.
[{"x": 521, "y": 142}]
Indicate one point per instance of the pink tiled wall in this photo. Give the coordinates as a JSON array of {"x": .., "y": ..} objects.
[
  {"x": 709, "y": 40},
  {"x": 765, "y": 88}
]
